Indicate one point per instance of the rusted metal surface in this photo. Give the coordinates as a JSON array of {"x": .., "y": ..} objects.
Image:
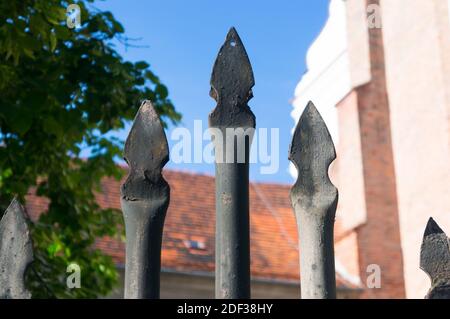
[
  {"x": 145, "y": 198},
  {"x": 16, "y": 252},
  {"x": 231, "y": 84},
  {"x": 314, "y": 199},
  {"x": 435, "y": 260}
]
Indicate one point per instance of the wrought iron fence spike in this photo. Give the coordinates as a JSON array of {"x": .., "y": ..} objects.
[
  {"x": 435, "y": 260},
  {"x": 16, "y": 252},
  {"x": 231, "y": 85},
  {"x": 432, "y": 228},
  {"x": 314, "y": 199},
  {"x": 145, "y": 198},
  {"x": 146, "y": 152},
  {"x": 311, "y": 143}
]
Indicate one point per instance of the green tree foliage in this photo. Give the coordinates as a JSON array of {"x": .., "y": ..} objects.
[{"x": 62, "y": 90}]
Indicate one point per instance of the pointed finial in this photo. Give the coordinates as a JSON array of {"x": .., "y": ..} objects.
[
  {"x": 314, "y": 199},
  {"x": 145, "y": 199},
  {"x": 16, "y": 252},
  {"x": 146, "y": 152},
  {"x": 432, "y": 228},
  {"x": 231, "y": 85},
  {"x": 435, "y": 260},
  {"x": 312, "y": 151}
]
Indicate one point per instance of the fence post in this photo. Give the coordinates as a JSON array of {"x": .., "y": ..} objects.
[
  {"x": 314, "y": 199},
  {"x": 232, "y": 126},
  {"x": 145, "y": 198},
  {"x": 435, "y": 260},
  {"x": 16, "y": 252}
]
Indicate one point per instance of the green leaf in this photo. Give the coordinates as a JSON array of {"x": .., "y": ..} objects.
[
  {"x": 141, "y": 65},
  {"x": 52, "y": 126},
  {"x": 162, "y": 91},
  {"x": 53, "y": 249},
  {"x": 53, "y": 41},
  {"x": 62, "y": 32},
  {"x": 21, "y": 122},
  {"x": 29, "y": 53},
  {"x": 118, "y": 27},
  {"x": 151, "y": 76}
]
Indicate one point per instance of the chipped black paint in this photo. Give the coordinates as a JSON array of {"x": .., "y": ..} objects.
[
  {"x": 231, "y": 84},
  {"x": 145, "y": 199}
]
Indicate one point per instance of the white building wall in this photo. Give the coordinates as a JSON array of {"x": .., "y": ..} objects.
[{"x": 327, "y": 80}]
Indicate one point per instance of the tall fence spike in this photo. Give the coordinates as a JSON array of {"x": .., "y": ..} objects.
[
  {"x": 16, "y": 252},
  {"x": 231, "y": 84},
  {"x": 435, "y": 260},
  {"x": 145, "y": 199},
  {"x": 314, "y": 199}
]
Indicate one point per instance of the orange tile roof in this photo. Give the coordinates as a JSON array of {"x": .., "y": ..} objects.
[{"x": 191, "y": 217}]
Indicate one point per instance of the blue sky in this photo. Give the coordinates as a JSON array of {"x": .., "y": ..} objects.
[{"x": 182, "y": 39}]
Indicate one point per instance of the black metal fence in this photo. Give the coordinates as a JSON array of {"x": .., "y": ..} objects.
[{"x": 146, "y": 195}]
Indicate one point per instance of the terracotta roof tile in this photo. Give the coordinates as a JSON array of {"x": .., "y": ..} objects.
[{"x": 191, "y": 218}]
